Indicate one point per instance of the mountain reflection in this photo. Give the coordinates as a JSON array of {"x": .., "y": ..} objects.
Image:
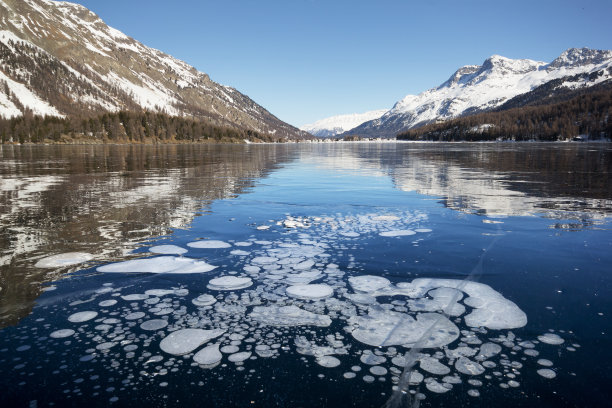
[
  {"x": 566, "y": 181},
  {"x": 106, "y": 200}
]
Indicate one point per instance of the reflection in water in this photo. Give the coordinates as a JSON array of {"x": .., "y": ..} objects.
[
  {"x": 106, "y": 200},
  {"x": 568, "y": 181}
]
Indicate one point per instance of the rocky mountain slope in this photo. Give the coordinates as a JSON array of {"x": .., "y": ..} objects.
[
  {"x": 335, "y": 125},
  {"x": 60, "y": 59},
  {"x": 480, "y": 88}
]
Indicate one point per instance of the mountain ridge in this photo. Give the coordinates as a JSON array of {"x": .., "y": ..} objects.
[
  {"x": 99, "y": 69},
  {"x": 334, "y": 125},
  {"x": 480, "y": 88}
]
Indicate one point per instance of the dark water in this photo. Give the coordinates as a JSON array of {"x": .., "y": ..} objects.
[{"x": 530, "y": 222}]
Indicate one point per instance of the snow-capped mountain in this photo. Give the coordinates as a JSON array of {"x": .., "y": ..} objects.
[
  {"x": 58, "y": 58},
  {"x": 335, "y": 125},
  {"x": 477, "y": 88}
]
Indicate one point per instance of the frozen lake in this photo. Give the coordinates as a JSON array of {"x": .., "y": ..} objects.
[{"x": 345, "y": 274}]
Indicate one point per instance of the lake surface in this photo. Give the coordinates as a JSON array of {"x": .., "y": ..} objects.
[{"x": 346, "y": 274}]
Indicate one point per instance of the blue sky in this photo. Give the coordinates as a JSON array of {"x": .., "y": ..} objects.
[{"x": 304, "y": 60}]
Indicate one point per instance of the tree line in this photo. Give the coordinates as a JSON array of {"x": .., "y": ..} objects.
[
  {"x": 120, "y": 127},
  {"x": 587, "y": 115}
]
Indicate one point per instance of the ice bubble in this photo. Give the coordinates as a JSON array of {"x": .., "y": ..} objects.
[
  {"x": 378, "y": 370},
  {"x": 106, "y": 346},
  {"x": 239, "y": 252},
  {"x": 387, "y": 328},
  {"x": 372, "y": 359},
  {"x": 229, "y": 283},
  {"x": 397, "y": 233},
  {"x": 439, "y": 388},
  {"x": 531, "y": 352},
  {"x": 204, "y": 300},
  {"x": 350, "y": 234},
  {"x": 160, "y": 264},
  {"x": 106, "y": 303},
  {"x": 466, "y": 366},
  {"x": 545, "y": 363},
  {"x": 328, "y": 361},
  {"x": 547, "y": 373},
  {"x": 551, "y": 338},
  {"x": 368, "y": 378},
  {"x": 159, "y": 292},
  {"x": 135, "y": 296},
  {"x": 304, "y": 265},
  {"x": 263, "y": 227},
  {"x": 349, "y": 375},
  {"x": 316, "y": 291},
  {"x": 243, "y": 244},
  {"x": 368, "y": 283},
  {"x": 209, "y": 355},
  {"x": 168, "y": 250},
  {"x": 433, "y": 366},
  {"x": 288, "y": 316},
  {"x": 239, "y": 357},
  {"x": 209, "y": 244},
  {"x": 82, "y": 317},
  {"x": 473, "y": 393},
  {"x": 229, "y": 349},
  {"x": 488, "y": 350},
  {"x": 452, "y": 379},
  {"x": 60, "y": 334},
  {"x": 386, "y": 218},
  {"x": 491, "y": 309},
  {"x": 186, "y": 340},
  {"x": 66, "y": 259},
  {"x": 361, "y": 298},
  {"x": 264, "y": 260},
  {"x": 135, "y": 316},
  {"x": 422, "y": 230},
  {"x": 415, "y": 377}
]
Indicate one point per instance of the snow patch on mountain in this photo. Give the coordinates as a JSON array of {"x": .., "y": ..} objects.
[
  {"x": 475, "y": 88},
  {"x": 335, "y": 125}
]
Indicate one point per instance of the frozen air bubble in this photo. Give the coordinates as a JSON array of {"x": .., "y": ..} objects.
[
  {"x": 378, "y": 370},
  {"x": 547, "y": 373},
  {"x": 239, "y": 357},
  {"x": 551, "y": 338},
  {"x": 328, "y": 361},
  {"x": 209, "y": 355},
  {"x": 107, "y": 303},
  {"x": 65, "y": 259},
  {"x": 82, "y": 317},
  {"x": 397, "y": 233},
  {"x": 229, "y": 283},
  {"x": 310, "y": 292},
  {"x": 368, "y": 283},
  {"x": 433, "y": 366},
  {"x": 545, "y": 363},
  {"x": 160, "y": 264},
  {"x": 466, "y": 366},
  {"x": 60, "y": 334},
  {"x": 204, "y": 300},
  {"x": 288, "y": 316},
  {"x": 135, "y": 316},
  {"x": 438, "y": 388},
  {"x": 229, "y": 349},
  {"x": 186, "y": 340},
  {"x": 209, "y": 244},
  {"x": 168, "y": 250}
]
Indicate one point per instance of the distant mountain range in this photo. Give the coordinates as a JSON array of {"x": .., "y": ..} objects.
[
  {"x": 336, "y": 125},
  {"x": 480, "y": 88},
  {"x": 60, "y": 59}
]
